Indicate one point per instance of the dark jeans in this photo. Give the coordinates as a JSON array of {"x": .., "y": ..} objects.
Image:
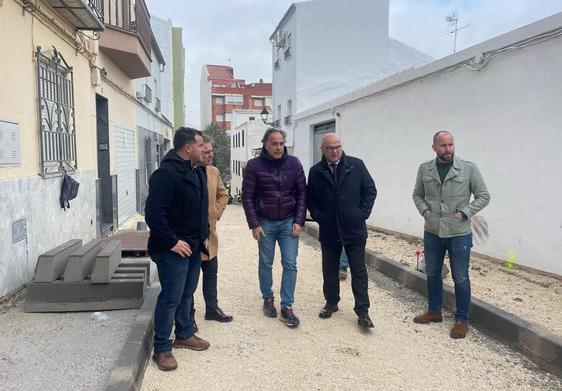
[
  {"x": 178, "y": 280},
  {"x": 331, "y": 252},
  {"x": 458, "y": 249},
  {"x": 209, "y": 269}
]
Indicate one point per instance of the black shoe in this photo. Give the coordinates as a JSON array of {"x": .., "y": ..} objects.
[
  {"x": 269, "y": 309},
  {"x": 289, "y": 317},
  {"x": 365, "y": 322},
  {"x": 327, "y": 311},
  {"x": 218, "y": 315}
]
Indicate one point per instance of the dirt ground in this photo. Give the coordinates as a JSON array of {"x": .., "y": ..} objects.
[
  {"x": 534, "y": 297},
  {"x": 258, "y": 353}
]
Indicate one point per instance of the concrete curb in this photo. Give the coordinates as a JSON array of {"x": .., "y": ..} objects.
[
  {"x": 539, "y": 345},
  {"x": 128, "y": 371}
]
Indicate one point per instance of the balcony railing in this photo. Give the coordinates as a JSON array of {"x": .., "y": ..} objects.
[
  {"x": 82, "y": 14},
  {"x": 131, "y": 16},
  {"x": 288, "y": 53},
  {"x": 288, "y": 119},
  {"x": 277, "y": 123},
  {"x": 276, "y": 65}
]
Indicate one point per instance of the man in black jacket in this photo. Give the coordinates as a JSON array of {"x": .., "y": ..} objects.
[
  {"x": 341, "y": 195},
  {"x": 176, "y": 213}
]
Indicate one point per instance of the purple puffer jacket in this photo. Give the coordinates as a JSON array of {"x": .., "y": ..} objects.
[{"x": 274, "y": 189}]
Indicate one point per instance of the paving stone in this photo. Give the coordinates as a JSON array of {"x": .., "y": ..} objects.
[
  {"x": 50, "y": 265},
  {"x": 106, "y": 262},
  {"x": 61, "y": 296},
  {"x": 80, "y": 262}
]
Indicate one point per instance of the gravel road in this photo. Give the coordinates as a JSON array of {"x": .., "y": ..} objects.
[{"x": 254, "y": 352}]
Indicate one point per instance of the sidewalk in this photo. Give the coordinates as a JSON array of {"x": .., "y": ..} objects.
[{"x": 254, "y": 352}]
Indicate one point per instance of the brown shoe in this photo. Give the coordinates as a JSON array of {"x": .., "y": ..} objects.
[
  {"x": 428, "y": 317},
  {"x": 459, "y": 330},
  {"x": 165, "y": 361},
  {"x": 193, "y": 343}
]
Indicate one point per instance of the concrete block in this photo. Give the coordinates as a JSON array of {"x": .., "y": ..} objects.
[
  {"x": 137, "y": 262},
  {"x": 61, "y": 296},
  {"x": 80, "y": 262},
  {"x": 106, "y": 262},
  {"x": 50, "y": 265}
]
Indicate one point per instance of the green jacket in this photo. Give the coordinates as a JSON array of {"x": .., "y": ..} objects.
[{"x": 438, "y": 202}]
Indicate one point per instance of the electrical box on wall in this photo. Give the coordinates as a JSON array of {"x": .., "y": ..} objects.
[
  {"x": 19, "y": 230},
  {"x": 9, "y": 143}
]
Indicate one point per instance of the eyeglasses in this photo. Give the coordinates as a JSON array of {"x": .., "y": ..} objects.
[{"x": 332, "y": 149}]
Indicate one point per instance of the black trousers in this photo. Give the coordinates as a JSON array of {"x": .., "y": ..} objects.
[
  {"x": 209, "y": 269},
  {"x": 331, "y": 252}
]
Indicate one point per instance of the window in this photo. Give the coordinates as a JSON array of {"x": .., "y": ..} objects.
[
  {"x": 278, "y": 111},
  {"x": 219, "y": 100},
  {"x": 242, "y": 137},
  {"x": 251, "y": 118},
  {"x": 228, "y": 117},
  {"x": 289, "y": 107},
  {"x": 268, "y": 102},
  {"x": 258, "y": 102},
  {"x": 56, "y": 113},
  {"x": 234, "y": 99},
  {"x": 219, "y": 118}
]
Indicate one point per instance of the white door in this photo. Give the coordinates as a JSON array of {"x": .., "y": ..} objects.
[{"x": 124, "y": 155}]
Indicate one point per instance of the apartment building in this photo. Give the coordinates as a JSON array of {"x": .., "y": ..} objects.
[{"x": 221, "y": 93}]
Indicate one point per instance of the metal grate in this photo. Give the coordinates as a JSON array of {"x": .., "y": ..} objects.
[{"x": 55, "y": 87}]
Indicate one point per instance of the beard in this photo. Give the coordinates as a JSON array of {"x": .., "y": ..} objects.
[{"x": 446, "y": 157}]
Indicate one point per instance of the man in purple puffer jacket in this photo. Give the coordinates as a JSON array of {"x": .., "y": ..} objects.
[{"x": 274, "y": 200}]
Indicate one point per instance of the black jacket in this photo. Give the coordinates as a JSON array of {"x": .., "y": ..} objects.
[
  {"x": 341, "y": 210},
  {"x": 177, "y": 205}
]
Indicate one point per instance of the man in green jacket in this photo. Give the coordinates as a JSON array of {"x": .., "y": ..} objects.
[{"x": 442, "y": 195}]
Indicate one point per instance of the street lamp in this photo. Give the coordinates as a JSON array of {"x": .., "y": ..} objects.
[{"x": 264, "y": 114}]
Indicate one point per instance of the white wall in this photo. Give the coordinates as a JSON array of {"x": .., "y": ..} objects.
[
  {"x": 337, "y": 47},
  {"x": 163, "y": 33},
  {"x": 253, "y": 133},
  {"x": 506, "y": 118}
]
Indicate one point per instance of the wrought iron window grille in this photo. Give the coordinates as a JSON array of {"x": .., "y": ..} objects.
[{"x": 56, "y": 115}]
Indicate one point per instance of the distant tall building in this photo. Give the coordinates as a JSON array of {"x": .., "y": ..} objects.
[
  {"x": 221, "y": 93},
  {"x": 178, "y": 54}
]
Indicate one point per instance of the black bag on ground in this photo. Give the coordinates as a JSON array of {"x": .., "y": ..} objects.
[{"x": 69, "y": 191}]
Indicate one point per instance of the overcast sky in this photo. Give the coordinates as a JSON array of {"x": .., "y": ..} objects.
[{"x": 236, "y": 32}]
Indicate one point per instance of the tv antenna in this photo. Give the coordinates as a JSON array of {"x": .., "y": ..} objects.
[{"x": 453, "y": 20}]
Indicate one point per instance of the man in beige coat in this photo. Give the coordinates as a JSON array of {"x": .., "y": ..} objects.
[{"x": 218, "y": 198}]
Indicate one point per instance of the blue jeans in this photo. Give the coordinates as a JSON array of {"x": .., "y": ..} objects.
[
  {"x": 279, "y": 231},
  {"x": 458, "y": 249},
  {"x": 178, "y": 280},
  {"x": 344, "y": 262}
]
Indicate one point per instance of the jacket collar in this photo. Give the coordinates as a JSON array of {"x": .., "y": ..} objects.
[
  {"x": 344, "y": 168},
  {"x": 453, "y": 172},
  {"x": 265, "y": 155}
]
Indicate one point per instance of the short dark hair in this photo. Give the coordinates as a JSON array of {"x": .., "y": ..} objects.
[
  {"x": 185, "y": 135},
  {"x": 439, "y": 134},
  {"x": 268, "y": 133}
]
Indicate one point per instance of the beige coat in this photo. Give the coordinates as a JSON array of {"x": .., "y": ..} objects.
[{"x": 218, "y": 198}]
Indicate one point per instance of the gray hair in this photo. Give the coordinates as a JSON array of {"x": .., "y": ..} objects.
[
  {"x": 208, "y": 139},
  {"x": 268, "y": 133}
]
